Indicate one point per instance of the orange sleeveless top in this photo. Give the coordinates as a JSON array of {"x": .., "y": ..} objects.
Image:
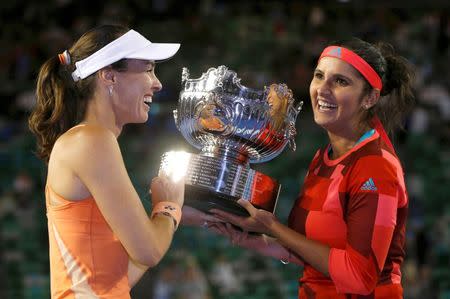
[{"x": 86, "y": 259}]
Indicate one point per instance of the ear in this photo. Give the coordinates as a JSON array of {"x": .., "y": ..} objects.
[
  {"x": 371, "y": 99},
  {"x": 107, "y": 75}
]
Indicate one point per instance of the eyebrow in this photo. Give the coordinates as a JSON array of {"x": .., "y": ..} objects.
[{"x": 335, "y": 74}]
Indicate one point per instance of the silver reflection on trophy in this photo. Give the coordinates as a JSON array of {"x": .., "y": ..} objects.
[{"x": 232, "y": 126}]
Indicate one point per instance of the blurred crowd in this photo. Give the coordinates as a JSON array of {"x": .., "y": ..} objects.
[{"x": 264, "y": 42}]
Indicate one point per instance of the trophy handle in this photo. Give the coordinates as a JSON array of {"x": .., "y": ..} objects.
[
  {"x": 175, "y": 117},
  {"x": 291, "y": 133},
  {"x": 299, "y": 107},
  {"x": 184, "y": 75}
]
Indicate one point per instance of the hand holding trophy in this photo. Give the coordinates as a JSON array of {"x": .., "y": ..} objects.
[{"x": 233, "y": 126}]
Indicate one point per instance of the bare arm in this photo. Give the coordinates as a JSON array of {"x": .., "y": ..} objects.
[
  {"x": 262, "y": 244},
  {"x": 194, "y": 217},
  {"x": 310, "y": 251},
  {"x": 315, "y": 253},
  {"x": 97, "y": 161}
]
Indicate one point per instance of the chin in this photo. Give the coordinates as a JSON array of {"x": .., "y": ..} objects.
[
  {"x": 322, "y": 122},
  {"x": 319, "y": 120},
  {"x": 139, "y": 120},
  {"x": 143, "y": 118}
]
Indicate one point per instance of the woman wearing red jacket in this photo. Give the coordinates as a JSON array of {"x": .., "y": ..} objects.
[{"x": 347, "y": 227}]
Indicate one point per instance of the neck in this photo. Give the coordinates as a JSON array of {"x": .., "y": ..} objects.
[
  {"x": 342, "y": 143},
  {"x": 99, "y": 112}
]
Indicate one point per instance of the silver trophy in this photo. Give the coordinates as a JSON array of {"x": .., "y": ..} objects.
[{"x": 233, "y": 126}]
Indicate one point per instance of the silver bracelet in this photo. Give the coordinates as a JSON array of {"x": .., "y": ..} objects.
[{"x": 289, "y": 258}]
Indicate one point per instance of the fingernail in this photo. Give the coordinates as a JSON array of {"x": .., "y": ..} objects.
[{"x": 205, "y": 224}]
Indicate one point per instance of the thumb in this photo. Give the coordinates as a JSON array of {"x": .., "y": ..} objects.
[
  {"x": 247, "y": 205},
  {"x": 156, "y": 183}
]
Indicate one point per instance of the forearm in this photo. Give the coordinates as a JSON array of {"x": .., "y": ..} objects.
[
  {"x": 268, "y": 246},
  {"x": 163, "y": 228},
  {"x": 312, "y": 252},
  {"x": 193, "y": 217}
]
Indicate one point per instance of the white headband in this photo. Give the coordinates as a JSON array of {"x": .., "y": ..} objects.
[{"x": 130, "y": 45}]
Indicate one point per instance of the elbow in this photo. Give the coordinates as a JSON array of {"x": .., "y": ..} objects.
[
  {"x": 366, "y": 280},
  {"x": 150, "y": 258},
  {"x": 362, "y": 285},
  {"x": 149, "y": 261},
  {"x": 365, "y": 288},
  {"x": 370, "y": 284},
  {"x": 352, "y": 274},
  {"x": 152, "y": 246}
]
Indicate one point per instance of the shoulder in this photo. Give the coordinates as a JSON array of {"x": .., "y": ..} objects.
[
  {"x": 377, "y": 165},
  {"x": 86, "y": 143},
  {"x": 90, "y": 134},
  {"x": 375, "y": 158},
  {"x": 373, "y": 173}
]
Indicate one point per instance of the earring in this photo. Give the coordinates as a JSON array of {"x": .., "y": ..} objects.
[{"x": 110, "y": 90}]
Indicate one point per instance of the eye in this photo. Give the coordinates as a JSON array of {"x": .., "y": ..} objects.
[
  {"x": 341, "y": 81},
  {"x": 150, "y": 70},
  {"x": 318, "y": 75}
]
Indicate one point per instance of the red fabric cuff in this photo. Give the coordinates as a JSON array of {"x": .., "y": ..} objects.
[{"x": 351, "y": 272}]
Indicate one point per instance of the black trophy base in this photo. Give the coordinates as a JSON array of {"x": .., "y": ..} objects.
[{"x": 204, "y": 200}]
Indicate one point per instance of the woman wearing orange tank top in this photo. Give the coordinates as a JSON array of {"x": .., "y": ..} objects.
[{"x": 101, "y": 239}]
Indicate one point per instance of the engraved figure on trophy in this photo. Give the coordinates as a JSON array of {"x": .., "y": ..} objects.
[{"x": 232, "y": 126}]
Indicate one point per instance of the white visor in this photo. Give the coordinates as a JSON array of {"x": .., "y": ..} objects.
[{"x": 130, "y": 45}]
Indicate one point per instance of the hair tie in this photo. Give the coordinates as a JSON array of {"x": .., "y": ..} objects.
[{"x": 64, "y": 58}]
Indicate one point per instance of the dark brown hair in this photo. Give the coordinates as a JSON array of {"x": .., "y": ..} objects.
[
  {"x": 60, "y": 102},
  {"x": 396, "y": 73}
]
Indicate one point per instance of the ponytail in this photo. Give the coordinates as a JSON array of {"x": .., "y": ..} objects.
[
  {"x": 397, "y": 95},
  {"x": 58, "y": 107}
]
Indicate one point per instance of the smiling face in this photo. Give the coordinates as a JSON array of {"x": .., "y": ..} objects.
[
  {"x": 134, "y": 90},
  {"x": 337, "y": 99}
]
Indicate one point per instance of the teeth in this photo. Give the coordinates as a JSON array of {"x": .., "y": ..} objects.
[
  {"x": 147, "y": 99},
  {"x": 325, "y": 104}
]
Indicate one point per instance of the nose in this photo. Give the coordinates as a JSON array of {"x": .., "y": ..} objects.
[
  {"x": 323, "y": 88},
  {"x": 156, "y": 86}
]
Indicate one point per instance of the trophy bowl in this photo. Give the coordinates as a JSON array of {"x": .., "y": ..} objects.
[{"x": 232, "y": 126}]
